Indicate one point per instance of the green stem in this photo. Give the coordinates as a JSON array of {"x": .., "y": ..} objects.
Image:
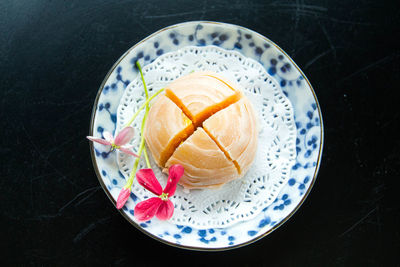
[
  {"x": 136, "y": 163},
  {"x": 141, "y": 75},
  {"x": 143, "y": 106},
  {"x": 142, "y": 146},
  {"x": 147, "y": 110},
  {"x": 146, "y": 157}
]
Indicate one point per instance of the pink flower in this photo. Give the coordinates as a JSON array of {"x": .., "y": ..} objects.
[
  {"x": 160, "y": 206},
  {"x": 120, "y": 140},
  {"x": 123, "y": 197}
]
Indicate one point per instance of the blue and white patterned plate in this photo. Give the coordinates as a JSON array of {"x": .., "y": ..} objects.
[{"x": 294, "y": 85}]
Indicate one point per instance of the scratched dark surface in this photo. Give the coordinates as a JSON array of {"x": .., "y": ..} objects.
[{"x": 53, "y": 57}]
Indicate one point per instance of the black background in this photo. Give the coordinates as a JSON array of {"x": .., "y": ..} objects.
[{"x": 54, "y": 56}]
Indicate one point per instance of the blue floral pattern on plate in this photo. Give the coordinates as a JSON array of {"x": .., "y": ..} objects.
[{"x": 294, "y": 85}]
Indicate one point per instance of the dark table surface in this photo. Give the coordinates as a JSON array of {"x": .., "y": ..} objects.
[{"x": 55, "y": 54}]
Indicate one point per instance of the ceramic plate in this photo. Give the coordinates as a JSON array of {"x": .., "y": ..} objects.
[{"x": 294, "y": 85}]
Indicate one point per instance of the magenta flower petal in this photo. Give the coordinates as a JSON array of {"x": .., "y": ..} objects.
[
  {"x": 99, "y": 140},
  {"x": 124, "y": 136},
  {"x": 175, "y": 173},
  {"x": 123, "y": 197},
  {"x": 128, "y": 151},
  {"x": 165, "y": 211},
  {"x": 146, "y": 210},
  {"x": 108, "y": 136},
  {"x": 148, "y": 180}
]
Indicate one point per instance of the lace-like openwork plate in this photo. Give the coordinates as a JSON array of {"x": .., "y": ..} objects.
[
  {"x": 283, "y": 74},
  {"x": 244, "y": 198}
]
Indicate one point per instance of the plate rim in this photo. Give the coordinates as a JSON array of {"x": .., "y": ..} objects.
[{"x": 195, "y": 248}]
